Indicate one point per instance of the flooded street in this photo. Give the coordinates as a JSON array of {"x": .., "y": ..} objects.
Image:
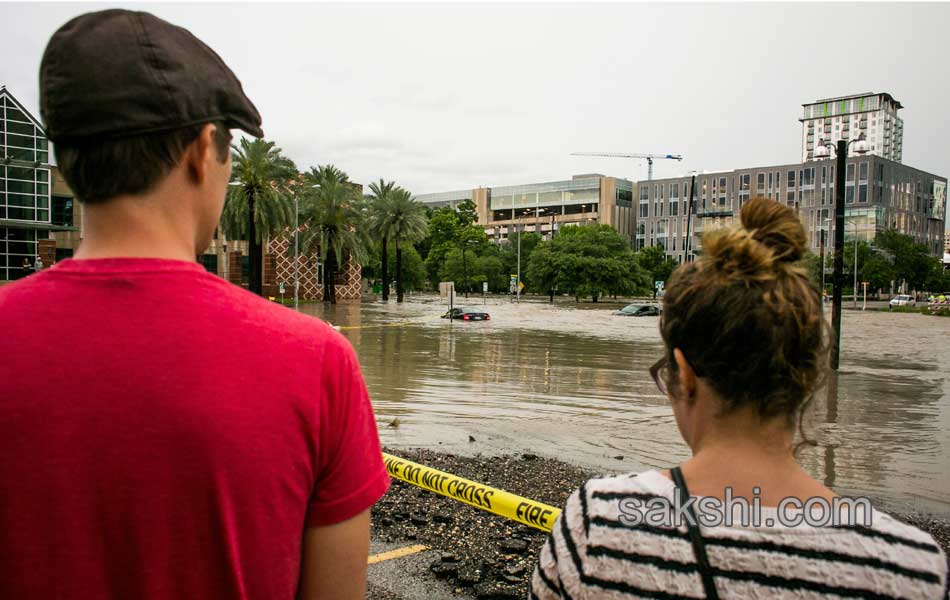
[{"x": 572, "y": 383}]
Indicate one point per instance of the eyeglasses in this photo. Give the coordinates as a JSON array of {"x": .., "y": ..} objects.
[{"x": 659, "y": 372}]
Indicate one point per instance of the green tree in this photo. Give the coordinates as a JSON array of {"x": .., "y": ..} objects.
[
  {"x": 443, "y": 233},
  {"x": 259, "y": 203},
  {"x": 333, "y": 211},
  {"x": 591, "y": 260},
  {"x": 812, "y": 263},
  {"x": 491, "y": 267},
  {"x": 413, "y": 269},
  {"x": 911, "y": 261},
  {"x": 938, "y": 280},
  {"x": 509, "y": 257},
  {"x": 877, "y": 271},
  {"x": 654, "y": 260},
  {"x": 466, "y": 213},
  {"x": 405, "y": 224},
  {"x": 379, "y": 223}
]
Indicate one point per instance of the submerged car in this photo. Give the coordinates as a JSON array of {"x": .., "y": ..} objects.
[
  {"x": 639, "y": 310},
  {"x": 467, "y": 314},
  {"x": 903, "y": 300}
]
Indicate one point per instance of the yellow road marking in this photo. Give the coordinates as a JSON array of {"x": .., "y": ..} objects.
[{"x": 397, "y": 553}]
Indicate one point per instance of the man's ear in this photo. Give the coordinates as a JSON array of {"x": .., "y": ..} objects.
[
  {"x": 685, "y": 375},
  {"x": 200, "y": 154}
]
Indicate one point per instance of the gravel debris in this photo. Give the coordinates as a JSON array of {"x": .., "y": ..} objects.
[{"x": 488, "y": 554}]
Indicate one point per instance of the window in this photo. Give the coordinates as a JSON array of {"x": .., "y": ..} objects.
[
  {"x": 62, "y": 210},
  {"x": 645, "y": 193},
  {"x": 674, "y": 191},
  {"x": 674, "y": 208},
  {"x": 209, "y": 262},
  {"x": 808, "y": 176},
  {"x": 15, "y": 246},
  {"x": 791, "y": 179},
  {"x": 863, "y": 172},
  {"x": 722, "y": 184},
  {"x": 645, "y": 210}
]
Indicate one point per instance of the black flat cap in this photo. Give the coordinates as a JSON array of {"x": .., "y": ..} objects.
[{"x": 117, "y": 73}]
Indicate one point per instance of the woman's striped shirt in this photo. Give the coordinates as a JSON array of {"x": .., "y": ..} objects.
[{"x": 591, "y": 553}]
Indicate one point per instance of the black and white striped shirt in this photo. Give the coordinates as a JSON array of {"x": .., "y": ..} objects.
[{"x": 592, "y": 554}]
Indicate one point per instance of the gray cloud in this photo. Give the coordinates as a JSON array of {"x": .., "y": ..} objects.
[{"x": 449, "y": 96}]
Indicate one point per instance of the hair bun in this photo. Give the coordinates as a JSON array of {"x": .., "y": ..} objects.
[{"x": 776, "y": 226}]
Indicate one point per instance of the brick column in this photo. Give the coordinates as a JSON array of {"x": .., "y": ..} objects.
[
  {"x": 269, "y": 279},
  {"x": 47, "y": 252},
  {"x": 234, "y": 267}
]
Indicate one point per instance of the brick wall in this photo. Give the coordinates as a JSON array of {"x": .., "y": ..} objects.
[
  {"x": 269, "y": 287},
  {"x": 234, "y": 267},
  {"x": 47, "y": 252}
]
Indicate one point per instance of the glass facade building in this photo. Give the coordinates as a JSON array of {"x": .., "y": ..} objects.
[
  {"x": 27, "y": 207},
  {"x": 546, "y": 207}
]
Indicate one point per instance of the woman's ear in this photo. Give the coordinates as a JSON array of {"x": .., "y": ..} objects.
[{"x": 685, "y": 376}]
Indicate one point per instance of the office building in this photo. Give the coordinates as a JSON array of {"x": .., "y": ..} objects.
[
  {"x": 873, "y": 116},
  {"x": 546, "y": 207},
  {"x": 880, "y": 194},
  {"x": 38, "y": 214}
]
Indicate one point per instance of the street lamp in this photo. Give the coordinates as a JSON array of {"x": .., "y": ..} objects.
[
  {"x": 824, "y": 151},
  {"x": 297, "y": 247},
  {"x": 465, "y": 264}
]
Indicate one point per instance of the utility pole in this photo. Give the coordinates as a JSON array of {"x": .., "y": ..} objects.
[
  {"x": 841, "y": 171},
  {"x": 296, "y": 252},
  {"x": 689, "y": 218},
  {"x": 518, "y": 283},
  {"x": 854, "y": 287}
]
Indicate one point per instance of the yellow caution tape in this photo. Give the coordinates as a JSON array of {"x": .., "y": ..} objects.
[{"x": 523, "y": 510}]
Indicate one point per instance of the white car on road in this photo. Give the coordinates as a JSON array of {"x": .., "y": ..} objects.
[{"x": 903, "y": 300}]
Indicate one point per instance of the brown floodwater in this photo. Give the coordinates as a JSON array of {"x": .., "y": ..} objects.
[{"x": 572, "y": 383}]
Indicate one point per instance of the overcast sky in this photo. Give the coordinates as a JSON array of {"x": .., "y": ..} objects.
[{"x": 452, "y": 96}]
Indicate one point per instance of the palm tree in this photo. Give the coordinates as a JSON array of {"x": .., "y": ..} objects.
[
  {"x": 378, "y": 225},
  {"x": 332, "y": 210},
  {"x": 406, "y": 223},
  {"x": 259, "y": 202}
]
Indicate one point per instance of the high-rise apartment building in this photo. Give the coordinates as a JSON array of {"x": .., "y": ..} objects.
[{"x": 849, "y": 117}]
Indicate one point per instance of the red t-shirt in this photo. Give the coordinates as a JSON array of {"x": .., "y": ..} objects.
[{"x": 165, "y": 434}]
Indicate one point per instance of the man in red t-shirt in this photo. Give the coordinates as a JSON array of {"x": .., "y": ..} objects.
[{"x": 164, "y": 434}]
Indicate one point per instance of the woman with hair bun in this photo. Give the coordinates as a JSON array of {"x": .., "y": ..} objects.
[{"x": 745, "y": 349}]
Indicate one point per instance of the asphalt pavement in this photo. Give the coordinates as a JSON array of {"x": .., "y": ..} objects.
[{"x": 406, "y": 577}]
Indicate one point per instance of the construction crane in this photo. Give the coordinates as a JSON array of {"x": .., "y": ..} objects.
[{"x": 649, "y": 157}]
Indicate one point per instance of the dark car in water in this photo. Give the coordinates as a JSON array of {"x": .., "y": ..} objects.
[
  {"x": 467, "y": 314},
  {"x": 639, "y": 310}
]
